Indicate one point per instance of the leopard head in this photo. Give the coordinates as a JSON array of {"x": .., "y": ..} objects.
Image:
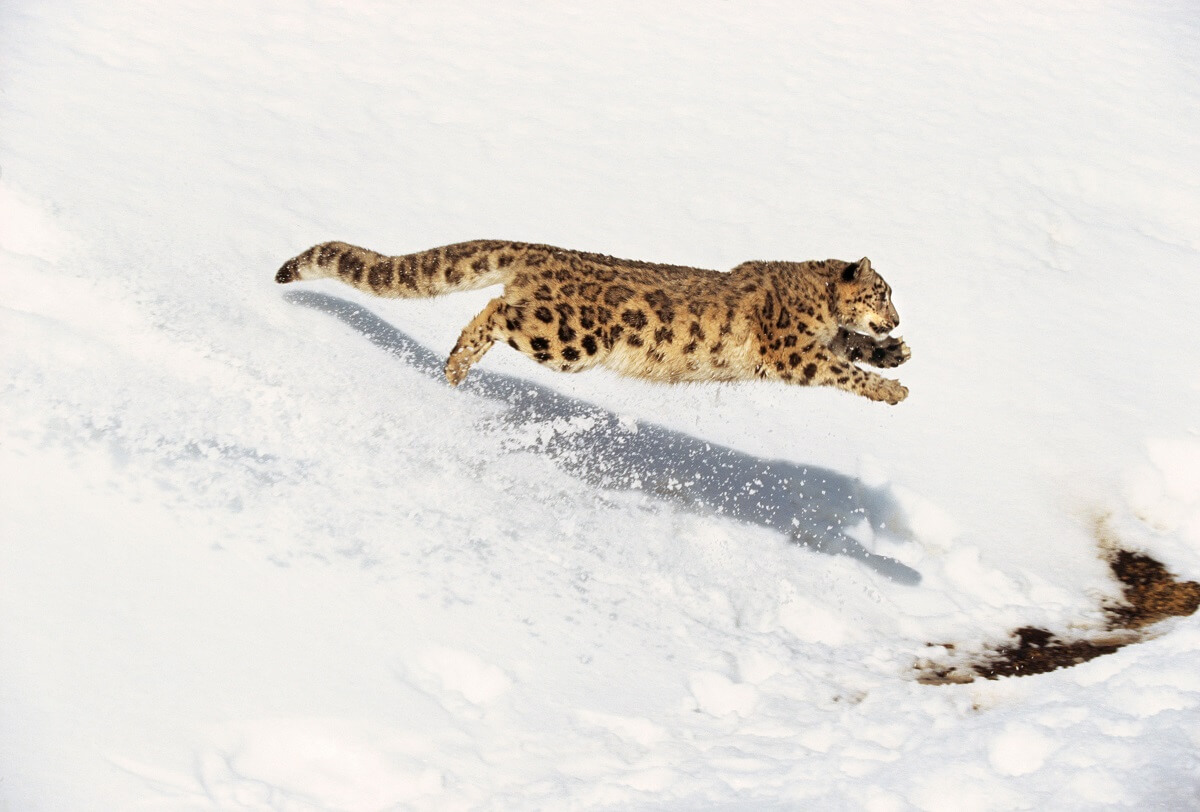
[{"x": 861, "y": 300}]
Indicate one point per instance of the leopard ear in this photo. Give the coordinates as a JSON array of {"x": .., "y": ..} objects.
[{"x": 855, "y": 270}]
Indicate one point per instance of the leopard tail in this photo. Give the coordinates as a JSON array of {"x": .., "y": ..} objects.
[{"x": 451, "y": 268}]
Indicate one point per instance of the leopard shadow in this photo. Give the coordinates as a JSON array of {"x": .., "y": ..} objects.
[{"x": 810, "y": 505}]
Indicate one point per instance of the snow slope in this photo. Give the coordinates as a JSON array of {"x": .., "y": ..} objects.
[{"x": 256, "y": 555}]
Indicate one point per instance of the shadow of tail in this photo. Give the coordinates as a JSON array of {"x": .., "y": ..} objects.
[{"x": 808, "y": 504}]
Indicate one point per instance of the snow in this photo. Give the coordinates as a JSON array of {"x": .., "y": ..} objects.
[{"x": 257, "y": 555}]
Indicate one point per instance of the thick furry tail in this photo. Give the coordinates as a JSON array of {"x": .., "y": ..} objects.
[{"x": 462, "y": 266}]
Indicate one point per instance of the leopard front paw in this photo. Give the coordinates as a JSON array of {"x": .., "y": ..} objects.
[
  {"x": 891, "y": 392},
  {"x": 890, "y": 352}
]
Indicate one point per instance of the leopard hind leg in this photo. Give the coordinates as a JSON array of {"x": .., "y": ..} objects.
[{"x": 476, "y": 339}]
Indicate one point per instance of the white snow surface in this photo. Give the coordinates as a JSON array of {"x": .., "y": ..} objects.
[{"x": 256, "y": 555}]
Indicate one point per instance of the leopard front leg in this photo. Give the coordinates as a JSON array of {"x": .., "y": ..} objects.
[
  {"x": 821, "y": 366},
  {"x": 870, "y": 385},
  {"x": 884, "y": 353}
]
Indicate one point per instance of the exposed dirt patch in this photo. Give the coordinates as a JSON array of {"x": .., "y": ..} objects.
[{"x": 1149, "y": 594}]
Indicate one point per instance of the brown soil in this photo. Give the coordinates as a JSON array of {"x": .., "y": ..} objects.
[{"x": 1149, "y": 593}]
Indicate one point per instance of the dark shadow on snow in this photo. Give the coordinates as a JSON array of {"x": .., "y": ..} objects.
[{"x": 809, "y": 505}]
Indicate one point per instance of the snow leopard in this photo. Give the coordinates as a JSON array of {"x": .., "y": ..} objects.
[{"x": 807, "y": 323}]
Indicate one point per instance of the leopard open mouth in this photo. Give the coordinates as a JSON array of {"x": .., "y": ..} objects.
[{"x": 873, "y": 330}]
